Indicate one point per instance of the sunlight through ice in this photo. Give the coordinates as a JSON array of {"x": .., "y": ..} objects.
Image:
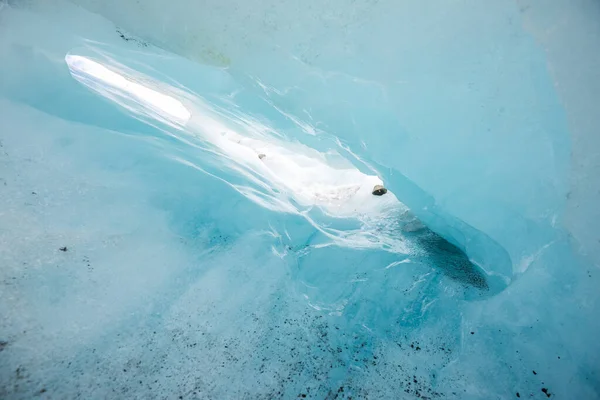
[
  {"x": 102, "y": 79},
  {"x": 326, "y": 180}
]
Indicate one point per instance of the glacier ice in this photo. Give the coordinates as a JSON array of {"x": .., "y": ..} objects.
[{"x": 149, "y": 250}]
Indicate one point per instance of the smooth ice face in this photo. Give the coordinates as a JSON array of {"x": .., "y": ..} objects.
[
  {"x": 196, "y": 220},
  {"x": 447, "y": 96}
]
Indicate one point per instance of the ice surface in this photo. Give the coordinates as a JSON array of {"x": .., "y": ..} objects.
[{"x": 186, "y": 208}]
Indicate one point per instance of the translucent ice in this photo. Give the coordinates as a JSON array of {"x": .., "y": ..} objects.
[{"x": 186, "y": 207}]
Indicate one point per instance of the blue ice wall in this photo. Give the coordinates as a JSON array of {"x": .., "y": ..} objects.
[
  {"x": 147, "y": 251},
  {"x": 508, "y": 67}
]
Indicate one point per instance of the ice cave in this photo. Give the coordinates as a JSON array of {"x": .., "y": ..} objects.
[{"x": 299, "y": 199}]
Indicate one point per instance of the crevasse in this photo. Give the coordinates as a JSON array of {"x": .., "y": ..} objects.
[{"x": 186, "y": 207}]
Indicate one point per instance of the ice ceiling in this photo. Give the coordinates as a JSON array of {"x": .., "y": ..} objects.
[{"x": 186, "y": 205}]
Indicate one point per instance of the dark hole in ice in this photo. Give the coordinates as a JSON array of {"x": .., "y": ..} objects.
[{"x": 449, "y": 259}]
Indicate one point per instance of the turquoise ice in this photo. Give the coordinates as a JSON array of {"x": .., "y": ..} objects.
[{"x": 186, "y": 207}]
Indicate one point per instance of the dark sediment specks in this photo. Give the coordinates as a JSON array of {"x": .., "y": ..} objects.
[{"x": 128, "y": 38}]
